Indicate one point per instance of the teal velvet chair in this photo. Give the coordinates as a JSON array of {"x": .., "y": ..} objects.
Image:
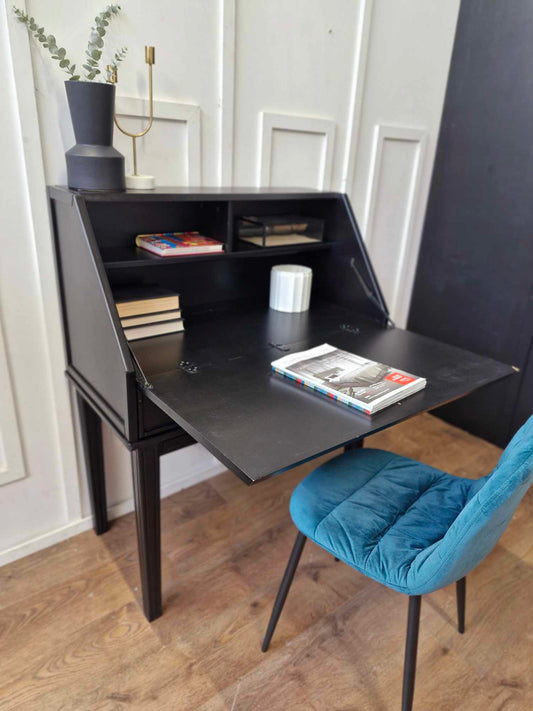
[{"x": 406, "y": 525}]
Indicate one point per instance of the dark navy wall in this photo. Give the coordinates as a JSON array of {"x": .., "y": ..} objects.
[{"x": 474, "y": 281}]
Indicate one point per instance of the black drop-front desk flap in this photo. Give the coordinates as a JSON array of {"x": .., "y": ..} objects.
[{"x": 215, "y": 381}]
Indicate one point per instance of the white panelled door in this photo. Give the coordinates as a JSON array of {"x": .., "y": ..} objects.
[{"x": 344, "y": 95}]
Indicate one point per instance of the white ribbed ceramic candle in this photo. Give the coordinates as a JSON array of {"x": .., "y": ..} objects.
[{"x": 290, "y": 287}]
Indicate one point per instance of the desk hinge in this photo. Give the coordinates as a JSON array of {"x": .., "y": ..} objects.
[
  {"x": 349, "y": 328},
  {"x": 188, "y": 367},
  {"x": 279, "y": 346},
  {"x": 139, "y": 372}
]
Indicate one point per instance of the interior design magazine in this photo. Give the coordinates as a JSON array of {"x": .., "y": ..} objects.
[{"x": 349, "y": 378}]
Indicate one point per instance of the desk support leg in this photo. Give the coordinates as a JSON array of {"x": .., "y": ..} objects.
[
  {"x": 146, "y": 489},
  {"x": 358, "y": 444},
  {"x": 91, "y": 433}
]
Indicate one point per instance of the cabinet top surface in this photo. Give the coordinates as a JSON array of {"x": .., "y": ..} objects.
[{"x": 190, "y": 193}]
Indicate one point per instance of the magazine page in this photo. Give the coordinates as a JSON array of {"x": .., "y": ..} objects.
[{"x": 364, "y": 382}]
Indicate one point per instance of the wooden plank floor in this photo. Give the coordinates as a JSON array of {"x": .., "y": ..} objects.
[{"x": 73, "y": 638}]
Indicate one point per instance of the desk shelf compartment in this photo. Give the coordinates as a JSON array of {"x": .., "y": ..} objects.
[
  {"x": 116, "y": 224},
  {"x": 276, "y": 231}
]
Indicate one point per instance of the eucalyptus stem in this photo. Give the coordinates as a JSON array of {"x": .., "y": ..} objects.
[
  {"x": 94, "y": 47},
  {"x": 96, "y": 41},
  {"x": 112, "y": 67},
  {"x": 48, "y": 42}
]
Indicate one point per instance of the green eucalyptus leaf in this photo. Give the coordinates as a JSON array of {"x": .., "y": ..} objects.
[{"x": 94, "y": 47}]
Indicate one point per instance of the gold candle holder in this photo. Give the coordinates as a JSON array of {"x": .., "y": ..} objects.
[{"x": 136, "y": 181}]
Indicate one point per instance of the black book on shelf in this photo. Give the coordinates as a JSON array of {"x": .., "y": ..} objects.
[
  {"x": 145, "y": 319},
  {"x": 159, "y": 328},
  {"x": 144, "y": 299}
]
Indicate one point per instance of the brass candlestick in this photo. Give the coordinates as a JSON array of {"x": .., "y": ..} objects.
[{"x": 136, "y": 181}]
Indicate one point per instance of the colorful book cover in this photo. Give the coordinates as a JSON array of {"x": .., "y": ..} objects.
[
  {"x": 164, "y": 243},
  {"x": 357, "y": 381}
]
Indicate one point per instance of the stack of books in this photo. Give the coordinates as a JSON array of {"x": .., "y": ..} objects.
[{"x": 148, "y": 311}]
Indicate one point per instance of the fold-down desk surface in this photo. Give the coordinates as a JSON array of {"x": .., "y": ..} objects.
[{"x": 258, "y": 423}]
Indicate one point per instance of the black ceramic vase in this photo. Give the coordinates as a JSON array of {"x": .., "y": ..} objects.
[{"x": 93, "y": 163}]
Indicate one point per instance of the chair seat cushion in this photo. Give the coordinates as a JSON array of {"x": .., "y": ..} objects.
[{"x": 380, "y": 512}]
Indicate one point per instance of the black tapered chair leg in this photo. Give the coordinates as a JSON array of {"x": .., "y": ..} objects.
[
  {"x": 460, "y": 587},
  {"x": 411, "y": 646},
  {"x": 284, "y": 588}
]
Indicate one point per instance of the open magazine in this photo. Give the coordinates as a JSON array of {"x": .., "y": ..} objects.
[{"x": 349, "y": 378}]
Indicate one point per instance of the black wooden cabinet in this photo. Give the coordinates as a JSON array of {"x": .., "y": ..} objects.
[
  {"x": 256, "y": 423},
  {"x": 474, "y": 281},
  {"x": 96, "y": 254}
]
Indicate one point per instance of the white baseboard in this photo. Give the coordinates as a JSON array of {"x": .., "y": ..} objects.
[{"x": 73, "y": 528}]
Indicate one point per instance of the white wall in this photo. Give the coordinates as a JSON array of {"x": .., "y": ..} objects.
[
  {"x": 38, "y": 477},
  {"x": 344, "y": 95}
]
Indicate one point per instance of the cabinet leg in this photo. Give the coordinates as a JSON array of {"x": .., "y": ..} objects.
[
  {"x": 358, "y": 444},
  {"x": 91, "y": 433},
  {"x": 146, "y": 489}
]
